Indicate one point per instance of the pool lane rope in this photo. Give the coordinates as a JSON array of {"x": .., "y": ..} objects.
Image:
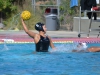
[{"x": 54, "y": 41}]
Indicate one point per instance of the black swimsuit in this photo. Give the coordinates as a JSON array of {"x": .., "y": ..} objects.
[{"x": 43, "y": 44}]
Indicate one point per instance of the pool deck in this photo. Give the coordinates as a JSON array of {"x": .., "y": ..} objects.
[{"x": 57, "y": 36}]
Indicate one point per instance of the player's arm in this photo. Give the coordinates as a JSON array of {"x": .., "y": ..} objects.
[
  {"x": 51, "y": 43},
  {"x": 30, "y": 33}
]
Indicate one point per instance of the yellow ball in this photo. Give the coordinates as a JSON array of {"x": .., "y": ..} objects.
[{"x": 25, "y": 15}]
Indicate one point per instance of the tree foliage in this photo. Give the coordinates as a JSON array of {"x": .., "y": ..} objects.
[{"x": 7, "y": 7}]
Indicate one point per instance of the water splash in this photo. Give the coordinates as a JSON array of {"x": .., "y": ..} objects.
[
  {"x": 15, "y": 21},
  {"x": 5, "y": 47},
  {"x": 65, "y": 47},
  {"x": 14, "y": 24}
]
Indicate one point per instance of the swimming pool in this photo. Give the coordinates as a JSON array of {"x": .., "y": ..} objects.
[{"x": 20, "y": 59}]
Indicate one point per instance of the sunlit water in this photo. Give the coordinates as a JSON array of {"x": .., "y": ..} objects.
[{"x": 20, "y": 59}]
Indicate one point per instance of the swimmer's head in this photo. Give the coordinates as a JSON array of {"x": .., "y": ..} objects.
[
  {"x": 84, "y": 45},
  {"x": 40, "y": 27}
]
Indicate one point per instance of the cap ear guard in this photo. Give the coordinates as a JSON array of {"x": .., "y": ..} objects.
[{"x": 39, "y": 27}]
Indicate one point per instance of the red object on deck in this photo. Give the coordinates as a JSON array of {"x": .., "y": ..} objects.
[{"x": 95, "y": 8}]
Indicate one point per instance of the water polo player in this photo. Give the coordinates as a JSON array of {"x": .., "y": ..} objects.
[
  {"x": 42, "y": 41},
  {"x": 82, "y": 47},
  {"x": 90, "y": 49}
]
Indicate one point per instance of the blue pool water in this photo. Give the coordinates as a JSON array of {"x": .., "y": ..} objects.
[{"x": 20, "y": 59}]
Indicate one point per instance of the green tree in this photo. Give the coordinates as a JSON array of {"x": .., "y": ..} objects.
[{"x": 7, "y": 7}]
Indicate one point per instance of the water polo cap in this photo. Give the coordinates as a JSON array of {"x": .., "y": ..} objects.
[{"x": 39, "y": 26}]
